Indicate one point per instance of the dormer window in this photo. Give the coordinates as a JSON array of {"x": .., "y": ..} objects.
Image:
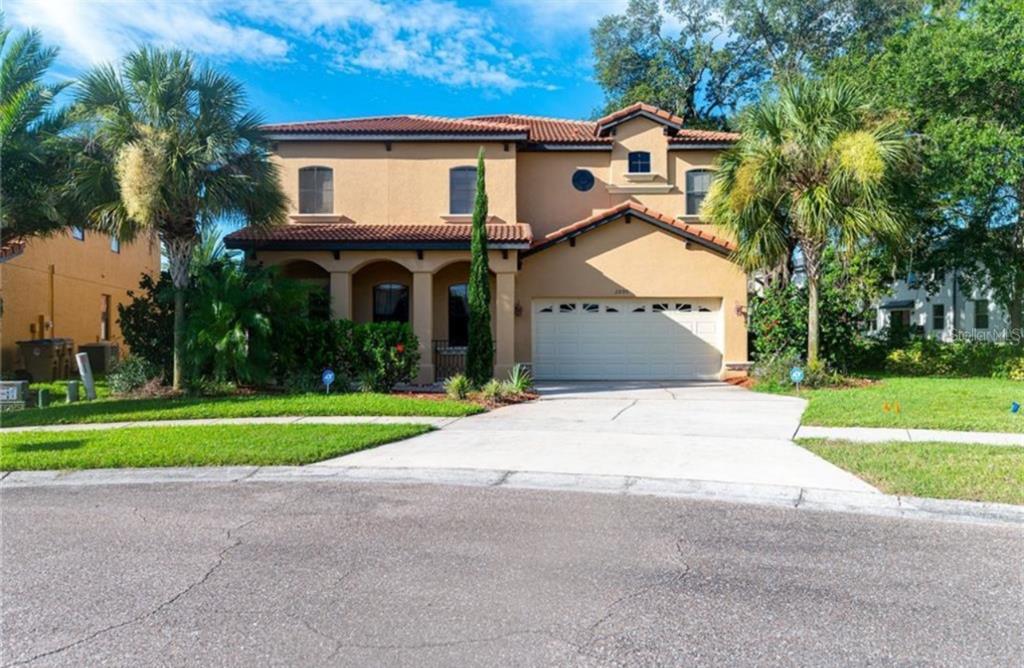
[
  {"x": 639, "y": 162},
  {"x": 698, "y": 181},
  {"x": 316, "y": 190},
  {"x": 461, "y": 190}
]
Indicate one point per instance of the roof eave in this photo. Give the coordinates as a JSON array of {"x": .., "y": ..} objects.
[
  {"x": 639, "y": 113},
  {"x": 383, "y": 136},
  {"x": 672, "y": 229},
  {"x": 698, "y": 146},
  {"x": 296, "y": 244}
]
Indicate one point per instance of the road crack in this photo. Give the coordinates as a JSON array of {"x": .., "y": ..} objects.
[{"x": 623, "y": 410}]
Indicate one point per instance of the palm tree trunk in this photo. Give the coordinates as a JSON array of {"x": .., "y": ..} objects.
[
  {"x": 812, "y": 267},
  {"x": 179, "y": 253}
]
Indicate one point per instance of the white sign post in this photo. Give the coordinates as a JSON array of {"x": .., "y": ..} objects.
[{"x": 85, "y": 371}]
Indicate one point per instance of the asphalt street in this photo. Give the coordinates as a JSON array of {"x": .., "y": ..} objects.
[{"x": 315, "y": 573}]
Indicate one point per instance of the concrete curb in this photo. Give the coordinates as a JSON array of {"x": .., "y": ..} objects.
[
  {"x": 880, "y": 435},
  {"x": 797, "y": 498},
  {"x": 437, "y": 422}
]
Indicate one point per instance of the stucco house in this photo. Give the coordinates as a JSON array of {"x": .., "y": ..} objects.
[
  {"x": 68, "y": 286},
  {"x": 601, "y": 267}
]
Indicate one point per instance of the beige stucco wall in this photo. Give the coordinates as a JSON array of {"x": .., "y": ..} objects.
[
  {"x": 405, "y": 185},
  {"x": 70, "y": 304},
  {"x": 548, "y": 201},
  {"x": 632, "y": 260}
]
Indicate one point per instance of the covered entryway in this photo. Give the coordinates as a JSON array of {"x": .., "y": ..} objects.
[{"x": 627, "y": 339}]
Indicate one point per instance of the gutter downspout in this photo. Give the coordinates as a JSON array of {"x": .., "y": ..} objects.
[{"x": 956, "y": 309}]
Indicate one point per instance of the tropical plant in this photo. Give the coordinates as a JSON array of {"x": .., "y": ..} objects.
[
  {"x": 520, "y": 380},
  {"x": 493, "y": 390},
  {"x": 457, "y": 387},
  {"x": 480, "y": 348},
  {"x": 171, "y": 148},
  {"x": 304, "y": 347},
  {"x": 816, "y": 166},
  {"x": 232, "y": 314},
  {"x": 34, "y": 153}
]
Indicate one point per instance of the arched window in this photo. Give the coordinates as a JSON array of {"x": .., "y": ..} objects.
[
  {"x": 458, "y": 315},
  {"x": 461, "y": 189},
  {"x": 316, "y": 190},
  {"x": 698, "y": 181},
  {"x": 390, "y": 303},
  {"x": 639, "y": 162}
]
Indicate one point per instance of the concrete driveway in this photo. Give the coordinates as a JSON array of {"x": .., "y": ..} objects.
[{"x": 705, "y": 431}]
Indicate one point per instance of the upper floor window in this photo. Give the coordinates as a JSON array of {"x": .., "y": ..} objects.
[
  {"x": 115, "y": 244},
  {"x": 980, "y": 314},
  {"x": 78, "y": 232},
  {"x": 462, "y": 189},
  {"x": 698, "y": 182},
  {"x": 639, "y": 162},
  {"x": 316, "y": 190},
  {"x": 939, "y": 317},
  {"x": 390, "y": 303}
]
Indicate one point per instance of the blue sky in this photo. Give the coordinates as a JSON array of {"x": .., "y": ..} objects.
[{"x": 340, "y": 58}]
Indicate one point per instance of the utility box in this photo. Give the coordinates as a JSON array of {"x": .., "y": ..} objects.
[
  {"x": 103, "y": 355},
  {"x": 13, "y": 394},
  {"x": 45, "y": 359}
]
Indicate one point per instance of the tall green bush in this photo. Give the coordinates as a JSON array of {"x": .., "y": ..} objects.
[
  {"x": 387, "y": 353},
  {"x": 480, "y": 348},
  {"x": 147, "y": 321}
]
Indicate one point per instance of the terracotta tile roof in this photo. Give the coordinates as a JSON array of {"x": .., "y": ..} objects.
[
  {"x": 398, "y": 125},
  {"x": 361, "y": 234},
  {"x": 553, "y": 130},
  {"x": 11, "y": 249},
  {"x": 538, "y": 129},
  {"x": 694, "y": 231},
  {"x": 639, "y": 107},
  {"x": 693, "y": 136}
]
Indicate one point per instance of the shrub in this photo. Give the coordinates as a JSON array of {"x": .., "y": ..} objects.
[
  {"x": 147, "y": 321},
  {"x": 520, "y": 380},
  {"x": 773, "y": 374},
  {"x": 458, "y": 387},
  {"x": 304, "y": 347},
  {"x": 131, "y": 374},
  {"x": 388, "y": 354},
  {"x": 929, "y": 357},
  {"x": 493, "y": 390}
]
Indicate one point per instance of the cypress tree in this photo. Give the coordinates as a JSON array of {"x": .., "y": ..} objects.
[{"x": 480, "y": 349}]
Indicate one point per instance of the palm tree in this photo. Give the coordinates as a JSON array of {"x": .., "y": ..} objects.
[
  {"x": 34, "y": 155},
  {"x": 171, "y": 148},
  {"x": 815, "y": 166}
]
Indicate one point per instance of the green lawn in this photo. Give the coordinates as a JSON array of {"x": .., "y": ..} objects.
[
  {"x": 967, "y": 404},
  {"x": 59, "y": 389},
  {"x": 933, "y": 470},
  {"x": 183, "y": 408},
  {"x": 201, "y": 445}
]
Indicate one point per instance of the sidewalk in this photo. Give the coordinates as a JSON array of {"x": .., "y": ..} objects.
[
  {"x": 877, "y": 435},
  {"x": 436, "y": 422}
]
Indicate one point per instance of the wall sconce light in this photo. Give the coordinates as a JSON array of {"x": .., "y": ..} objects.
[
  {"x": 518, "y": 310},
  {"x": 740, "y": 309}
]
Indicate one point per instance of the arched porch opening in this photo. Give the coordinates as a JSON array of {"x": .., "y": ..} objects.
[
  {"x": 317, "y": 279},
  {"x": 382, "y": 291}
]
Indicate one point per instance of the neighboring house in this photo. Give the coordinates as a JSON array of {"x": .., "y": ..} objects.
[
  {"x": 68, "y": 286},
  {"x": 954, "y": 311},
  {"x": 601, "y": 267}
]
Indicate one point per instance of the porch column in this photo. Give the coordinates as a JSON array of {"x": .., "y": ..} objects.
[
  {"x": 423, "y": 323},
  {"x": 504, "y": 326},
  {"x": 341, "y": 295}
]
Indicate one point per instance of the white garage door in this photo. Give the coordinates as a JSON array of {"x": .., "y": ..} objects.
[{"x": 627, "y": 339}]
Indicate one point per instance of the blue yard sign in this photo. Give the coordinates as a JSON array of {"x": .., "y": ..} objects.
[
  {"x": 327, "y": 377},
  {"x": 1014, "y": 407},
  {"x": 796, "y": 374}
]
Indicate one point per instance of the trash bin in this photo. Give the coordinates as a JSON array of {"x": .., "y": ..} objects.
[
  {"x": 103, "y": 355},
  {"x": 40, "y": 358}
]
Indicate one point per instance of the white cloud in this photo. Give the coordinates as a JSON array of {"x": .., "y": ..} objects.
[
  {"x": 94, "y": 32},
  {"x": 436, "y": 40}
]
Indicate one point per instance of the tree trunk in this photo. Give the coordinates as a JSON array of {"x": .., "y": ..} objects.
[
  {"x": 812, "y": 267},
  {"x": 179, "y": 253}
]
